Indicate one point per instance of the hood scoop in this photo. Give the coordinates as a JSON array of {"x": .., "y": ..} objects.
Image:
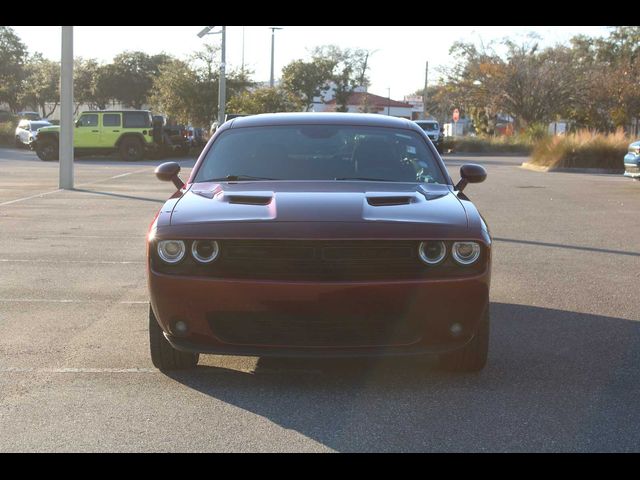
[
  {"x": 248, "y": 199},
  {"x": 388, "y": 200}
]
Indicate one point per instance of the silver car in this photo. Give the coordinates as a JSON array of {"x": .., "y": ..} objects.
[
  {"x": 27, "y": 131},
  {"x": 632, "y": 161}
]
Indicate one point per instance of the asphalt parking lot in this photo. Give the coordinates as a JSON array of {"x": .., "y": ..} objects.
[{"x": 75, "y": 373}]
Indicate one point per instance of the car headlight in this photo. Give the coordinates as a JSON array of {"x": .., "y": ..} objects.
[
  {"x": 465, "y": 253},
  {"x": 205, "y": 251},
  {"x": 432, "y": 253},
  {"x": 171, "y": 251}
]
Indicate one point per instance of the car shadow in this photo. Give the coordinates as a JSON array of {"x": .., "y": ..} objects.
[{"x": 556, "y": 381}]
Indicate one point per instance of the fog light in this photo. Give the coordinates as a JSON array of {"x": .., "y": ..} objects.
[
  {"x": 180, "y": 327},
  {"x": 455, "y": 329}
]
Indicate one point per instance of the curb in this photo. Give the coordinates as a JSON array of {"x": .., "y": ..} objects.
[{"x": 538, "y": 168}]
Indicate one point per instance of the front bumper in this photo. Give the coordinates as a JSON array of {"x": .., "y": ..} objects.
[
  {"x": 632, "y": 165},
  {"x": 327, "y": 319}
]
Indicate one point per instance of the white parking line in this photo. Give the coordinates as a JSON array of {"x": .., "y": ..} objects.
[
  {"x": 90, "y": 262},
  {"x": 65, "y": 300},
  {"x": 11, "y": 202},
  {"x": 76, "y": 370}
]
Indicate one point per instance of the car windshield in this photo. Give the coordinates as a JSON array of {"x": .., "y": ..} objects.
[
  {"x": 320, "y": 152},
  {"x": 427, "y": 126}
]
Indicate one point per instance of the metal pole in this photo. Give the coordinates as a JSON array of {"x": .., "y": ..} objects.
[
  {"x": 424, "y": 96},
  {"x": 389, "y": 102},
  {"x": 222, "y": 99},
  {"x": 273, "y": 43},
  {"x": 66, "y": 110},
  {"x": 242, "y": 68}
]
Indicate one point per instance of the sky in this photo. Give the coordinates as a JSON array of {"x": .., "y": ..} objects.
[{"x": 398, "y": 62}]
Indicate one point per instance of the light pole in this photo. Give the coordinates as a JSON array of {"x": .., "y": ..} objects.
[
  {"x": 65, "y": 149},
  {"x": 273, "y": 43},
  {"x": 222, "y": 99}
]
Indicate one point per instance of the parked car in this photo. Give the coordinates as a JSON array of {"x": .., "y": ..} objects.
[
  {"x": 196, "y": 138},
  {"x": 433, "y": 131},
  {"x": 29, "y": 116},
  {"x": 308, "y": 234},
  {"x": 171, "y": 136},
  {"x": 632, "y": 161},
  {"x": 128, "y": 132},
  {"x": 27, "y": 131}
]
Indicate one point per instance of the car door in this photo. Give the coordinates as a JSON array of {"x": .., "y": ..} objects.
[
  {"x": 111, "y": 129},
  {"x": 87, "y": 131}
]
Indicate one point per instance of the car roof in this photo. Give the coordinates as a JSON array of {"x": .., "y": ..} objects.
[{"x": 321, "y": 118}]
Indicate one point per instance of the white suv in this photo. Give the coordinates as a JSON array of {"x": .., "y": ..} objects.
[
  {"x": 432, "y": 129},
  {"x": 27, "y": 131}
]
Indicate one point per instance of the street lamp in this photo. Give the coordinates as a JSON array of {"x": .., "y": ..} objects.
[
  {"x": 273, "y": 41},
  {"x": 223, "y": 80}
]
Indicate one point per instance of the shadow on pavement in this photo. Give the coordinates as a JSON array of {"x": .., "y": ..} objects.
[
  {"x": 571, "y": 247},
  {"x": 118, "y": 195},
  {"x": 546, "y": 368}
]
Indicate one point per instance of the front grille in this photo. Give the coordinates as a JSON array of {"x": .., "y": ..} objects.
[
  {"x": 277, "y": 329},
  {"x": 319, "y": 260}
]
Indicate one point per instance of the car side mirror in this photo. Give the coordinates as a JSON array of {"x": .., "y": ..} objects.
[
  {"x": 168, "y": 172},
  {"x": 471, "y": 173}
]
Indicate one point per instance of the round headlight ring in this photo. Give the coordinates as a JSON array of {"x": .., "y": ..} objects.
[
  {"x": 171, "y": 251},
  {"x": 433, "y": 252},
  {"x": 212, "y": 250},
  {"x": 465, "y": 253}
]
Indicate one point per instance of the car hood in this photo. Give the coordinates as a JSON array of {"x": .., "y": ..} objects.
[{"x": 228, "y": 209}]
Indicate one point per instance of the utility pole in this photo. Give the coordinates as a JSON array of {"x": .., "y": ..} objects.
[
  {"x": 273, "y": 43},
  {"x": 424, "y": 95},
  {"x": 222, "y": 94},
  {"x": 65, "y": 152}
]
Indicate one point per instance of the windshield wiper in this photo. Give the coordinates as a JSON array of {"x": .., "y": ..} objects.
[
  {"x": 364, "y": 179},
  {"x": 236, "y": 178}
]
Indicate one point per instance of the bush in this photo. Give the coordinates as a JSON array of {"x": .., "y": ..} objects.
[
  {"x": 583, "y": 149},
  {"x": 7, "y": 133},
  {"x": 488, "y": 144}
]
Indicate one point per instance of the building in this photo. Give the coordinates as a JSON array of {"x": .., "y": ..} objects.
[{"x": 365, "y": 102}]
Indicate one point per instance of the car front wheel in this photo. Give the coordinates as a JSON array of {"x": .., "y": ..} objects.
[
  {"x": 163, "y": 355},
  {"x": 47, "y": 150},
  {"x": 473, "y": 356}
]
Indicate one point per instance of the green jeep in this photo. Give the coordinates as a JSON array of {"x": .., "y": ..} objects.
[{"x": 129, "y": 132}]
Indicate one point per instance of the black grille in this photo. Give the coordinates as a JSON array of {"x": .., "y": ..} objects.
[
  {"x": 312, "y": 331},
  {"x": 319, "y": 260}
]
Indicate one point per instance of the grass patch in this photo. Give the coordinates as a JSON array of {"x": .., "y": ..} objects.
[
  {"x": 516, "y": 144},
  {"x": 583, "y": 149}
]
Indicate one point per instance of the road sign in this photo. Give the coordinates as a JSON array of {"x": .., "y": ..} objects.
[{"x": 456, "y": 115}]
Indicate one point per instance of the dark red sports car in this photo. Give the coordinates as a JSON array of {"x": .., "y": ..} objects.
[{"x": 319, "y": 234}]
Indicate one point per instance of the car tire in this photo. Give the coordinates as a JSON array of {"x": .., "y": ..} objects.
[
  {"x": 473, "y": 356},
  {"x": 163, "y": 355},
  {"x": 47, "y": 150},
  {"x": 131, "y": 150},
  {"x": 18, "y": 143}
]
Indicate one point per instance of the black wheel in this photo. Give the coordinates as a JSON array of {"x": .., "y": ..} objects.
[
  {"x": 163, "y": 355},
  {"x": 47, "y": 149},
  {"x": 131, "y": 149},
  {"x": 18, "y": 143},
  {"x": 473, "y": 356}
]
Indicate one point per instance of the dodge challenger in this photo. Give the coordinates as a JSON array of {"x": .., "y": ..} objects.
[{"x": 319, "y": 234}]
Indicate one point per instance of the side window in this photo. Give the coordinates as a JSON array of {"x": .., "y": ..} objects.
[
  {"x": 136, "y": 120},
  {"x": 88, "y": 120},
  {"x": 111, "y": 120}
]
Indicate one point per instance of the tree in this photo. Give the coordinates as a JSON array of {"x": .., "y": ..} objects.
[
  {"x": 41, "y": 85},
  {"x": 307, "y": 80},
  {"x": 348, "y": 70},
  {"x": 264, "y": 100},
  {"x": 134, "y": 73},
  {"x": 13, "y": 55},
  {"x": 188, "y": 90}
]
